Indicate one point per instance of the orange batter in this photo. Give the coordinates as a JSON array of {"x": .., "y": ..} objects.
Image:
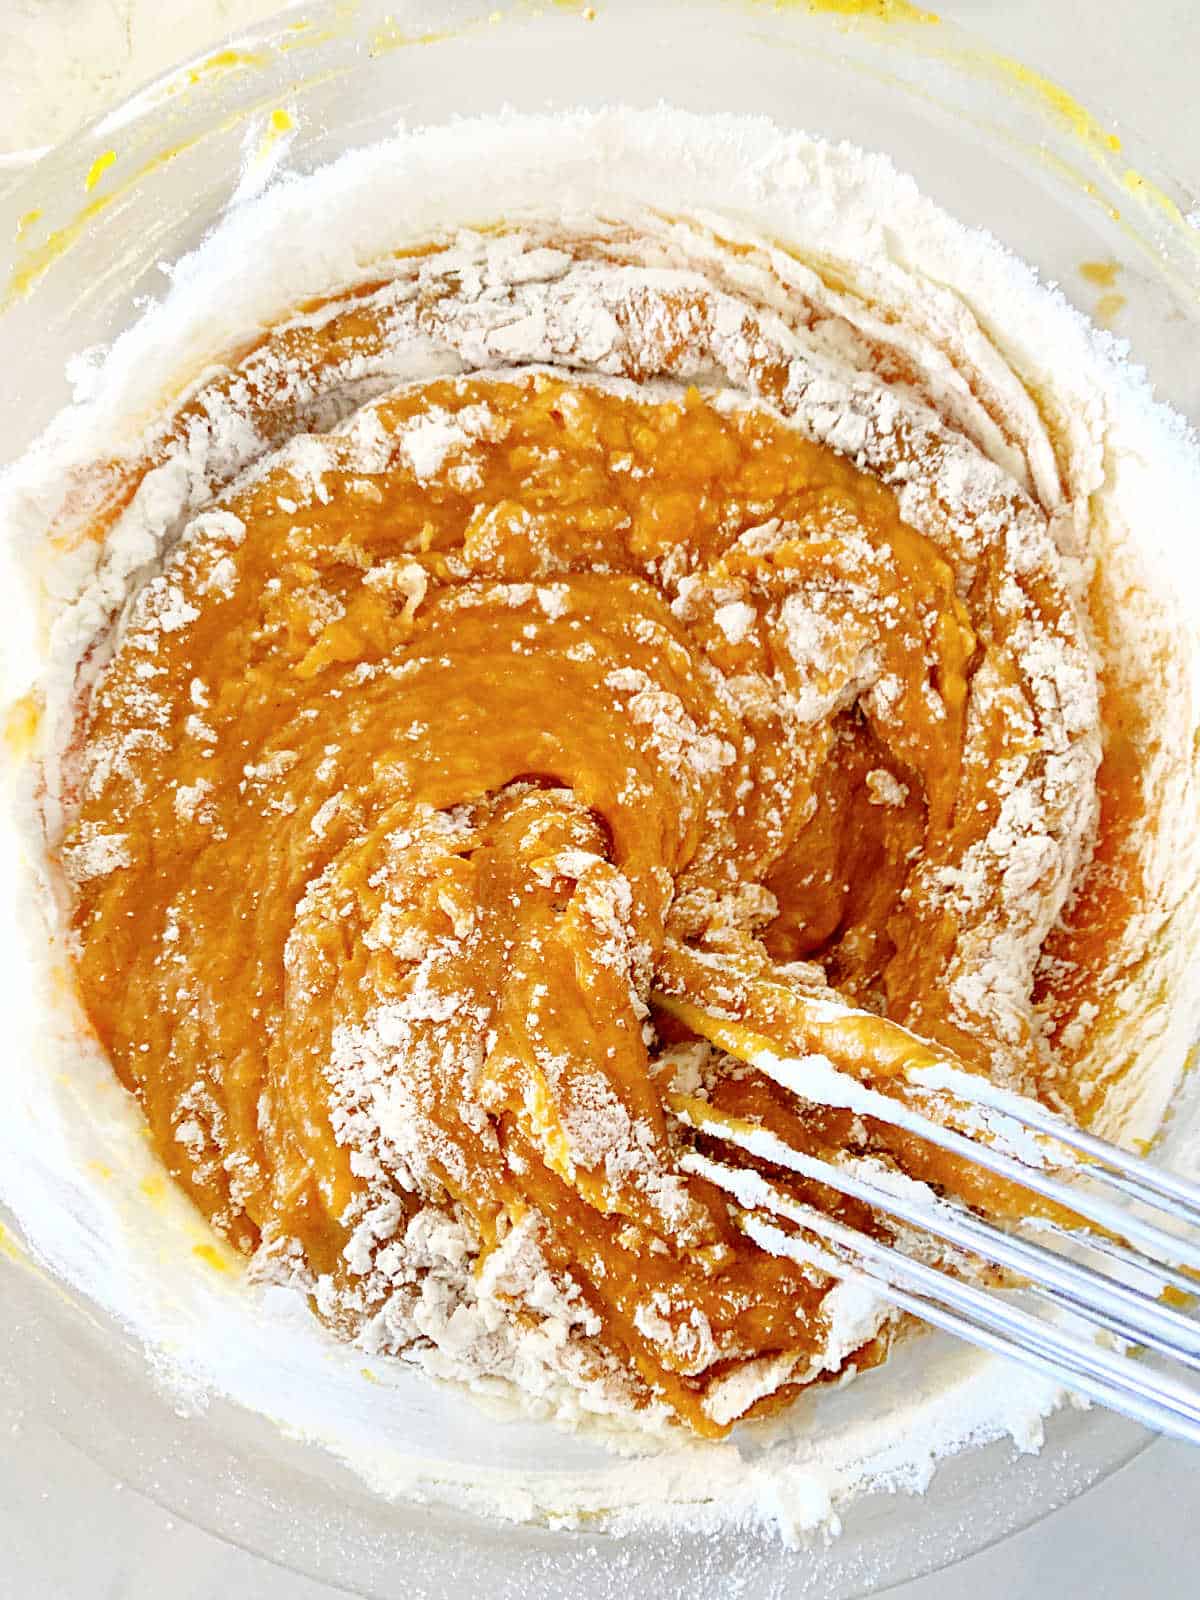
[{"x": 407, "y": 782}]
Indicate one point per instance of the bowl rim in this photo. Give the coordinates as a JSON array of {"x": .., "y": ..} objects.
[{"x": 141, "y": 106}]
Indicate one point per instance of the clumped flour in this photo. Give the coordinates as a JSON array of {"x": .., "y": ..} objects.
[{"x": 892, "y": 368}]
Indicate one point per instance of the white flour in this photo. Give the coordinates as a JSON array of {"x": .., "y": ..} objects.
[{"x": 1111, "y": 475}]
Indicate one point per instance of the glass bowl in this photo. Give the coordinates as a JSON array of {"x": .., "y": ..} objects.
[{"x": 996, "y": 146}]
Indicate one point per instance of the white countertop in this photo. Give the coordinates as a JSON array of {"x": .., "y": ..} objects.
[{"x": 67, "y": 1529}]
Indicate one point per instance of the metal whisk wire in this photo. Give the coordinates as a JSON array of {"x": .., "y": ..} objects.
[{"x": 1067, "y": 1305}]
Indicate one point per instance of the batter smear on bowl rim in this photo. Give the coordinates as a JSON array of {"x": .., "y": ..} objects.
[{"x": 666, "y": 649}]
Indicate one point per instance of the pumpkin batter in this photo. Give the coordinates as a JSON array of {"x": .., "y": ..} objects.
[{"x": 443, "y": 740}]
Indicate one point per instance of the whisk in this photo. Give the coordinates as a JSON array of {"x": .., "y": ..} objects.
[{"x": 1120, "y": 1240}]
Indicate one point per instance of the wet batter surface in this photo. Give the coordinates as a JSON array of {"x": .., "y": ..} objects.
[{"x": 446, "y": 741}]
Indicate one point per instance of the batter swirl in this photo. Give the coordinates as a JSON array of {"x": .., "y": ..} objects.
[{"x": 654, "y": 647}]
